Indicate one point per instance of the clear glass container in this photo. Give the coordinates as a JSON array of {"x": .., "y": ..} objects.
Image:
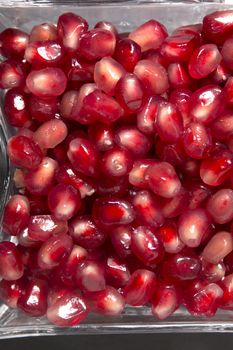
[{"x": 126, "y": 16}]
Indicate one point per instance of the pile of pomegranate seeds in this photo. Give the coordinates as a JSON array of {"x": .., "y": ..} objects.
[{"x": 123, "y": 163}]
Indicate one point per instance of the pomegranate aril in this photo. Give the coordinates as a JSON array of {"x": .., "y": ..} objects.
[
  {"x": 83, "y": 156},
  {"x": 140, "y": 288},
  {"x": 43, "y": 32},
  {"x": 171, "y": 153},
  {"x": 54, "y": 250},
  {"x": 168, "y": 234},
  {"x": 215, "y": 169},
  {"x": 38, "y": 181},
  {"x": 117, "y": 272},
  {"x": 102, "y": 136},
  {"x": 46, "y": 82},
  {"x": 11, "y": 265},
  {"x": 146, "y": 117},
  {"x": 12, "y": 74},
  {"x": 165, "y": 301},
  {"x": 190, "y": 168},
  {"x": 107, "y": 302},
  {"x": 218, "y": 26},
  {"x": 97, "y": 43},
  {"x": 25, "y": 241},
  {"x": 42, "y": 227},
  {"x": 178, "y": 77},
  {"x": 107, "y": 26},
  {"x": 149, "y": 35},
  {"x": 197, "y": 141},
  {"x": 219, "y": 246},
  {"x": 13, "y": 43},
  {"x": 163, "y": 180},
  {"x": 193, "y": 225},
  {"x": 44, "y": 53},
  {"x": 107, "y": 73},
  {"x": 204, "y": 61},
  {"x": 228, "y": 92},
  {"x": 206, "y": 103},
  {"x": 85, "y": 233},
  {"x": 134, "y": 140},
  {"x": 153, "y": 77},
  {"x": 222, "y": 127},
  {"x": 180, "y": 98},
  {"x": 33, "y": 299},
  {"x": 15, "y": 108},
  {"x": 169, "y": 123},
  {"x": 64, "y": 201},
  {"x": 43, "y": 108},
  {"x": 202, "y": 299},
  {"x": 127, "y": 53},
  {"x": 189, "y": 29},
  {"x": 146, "y": 246},
  {"x": 10, "y": 291},
  {"x": 116, "y": 162},
  {"x": 227, "y": 286},
  {"x": 198, "y": 193},
  {"x": 137, "y": 173},
  {"x": 221, "y": 74},
  {"x": 220, "y": 206},
  {"x": 172, "y": 207},
  {"x": 212, "y": 272},
  {"x": 179, "y": 47},
  {"x": 147, "y": 209},
  {"x": 16, "y": 215},
  {"x": 68, "y": 310},
  {"x": 112, "y": 186},
  {"x": 121, "y": 240},
  {"x": 70, "y": 28},
  {"x": 90, "y": 276}
]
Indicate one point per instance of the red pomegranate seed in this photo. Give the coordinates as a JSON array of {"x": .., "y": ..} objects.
[
  {"x": 110, "y": 211},
  {"x": 147, "y": 209},
  {"x": 90, "y": 276},
  {"x": 197, "y": 141},
  {"x": 54, "y": 250},
  {"x": 40, "y": 180},
  {"x": 43, "y": 108},
  {"x": 97, "y": 43},
  {"x": 198, "y": 193},
  {"x": 107, "y": 73},
  {"x": 226, "y": 53},
  {"x": 70, "y": 28},
  {"x": 228, "y": 92},
  {"x": 24, "y": 152},
  {"x": 222, "y": 127},
  {"x": 16, "y": 215},
  {"x": 116, "y": 162},
  {"x": 153, "y": 77},
  {"x": 55, "y": 293},
  {"x": 43, "y": 32},
  {"x": 140, "y": 288},
  {"x": 85, "y": 233},
  {"x": 168, "y": 234},
  {"x": 10, "y": 291},
  {"x": 50, "y": 134},
  {"x": 64, "y": 201},
  {"x": 68, "y": 269},
  {"x": 107, "y": 26},
  {"x": 46, "y": 82},
  {"x": 217, "y": 168},
  {"x": 202, "y": 299},
  {"x": 171, "y": 153},
  {"x": 218, "y": 26},
  {"x": 13, "y": 43},
  {"x": 180, "y": 98},
  {"x": 204, "y": 61},
  {"x": 137, "y": 173},
  {"x": 146, "y": 246},
  {"x": 127, "y": 53},
  {"x": 220, "y": 206},
  {"x": 102, "y": 136},
  {"x": 117, "y": 272},
  {"x": 11, "y": 265},
  {"x": 193, "y": 225},
  {"x": 146, "y": 117},
  {"x": 25, "y": 241},
  {"x": 178, "y": 76},
  {"x": 212, "y": 272},
  {"x": 165, "y": 301},
  {"x": 134, "y": 140},
  {"x": 149, "y": 35},
  {"x": 179, "y": 48},
  {"x": 33, "y": 300},
  {"x": 107, "y": 302},
  {"x": 227, "y": 286},
  {"x": 83, "y": 156},
  {"x": 68, "y": 310},
  {"x": 12, "y": 74},
  {"x": 163, "y": 180},
  {"x": 190, "y": 168},
  {"x": 44, "y": 53},
  {"x": 219, "y": 246},
  {"x": 42, "y": 227},
  {"x": 205, "y": 103},
  {"x": 221, "y": 74},
  {"x": 129, "y": 93},
  {"x": 169, "y": 124},
  {"x": 15, "y": 108},
  {"x": 172, "y": 207},
  {"x": 189, "y": 29},
  {"x": 121, "y": 240},
  {"x": 114, "y": 186}
]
